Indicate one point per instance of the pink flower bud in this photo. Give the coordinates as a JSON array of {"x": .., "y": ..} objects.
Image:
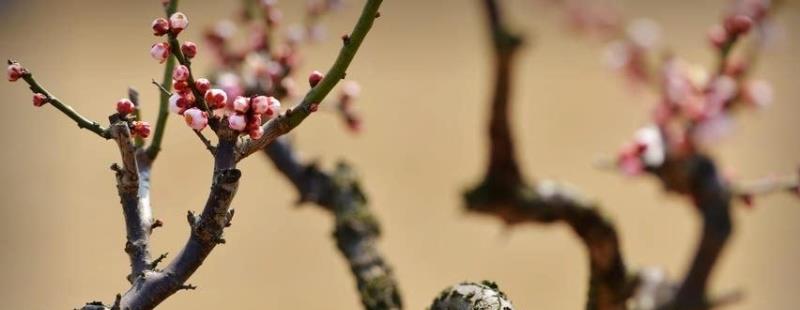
[
  {"x": 237, "y": 122},
  {"x": 253, "y": 122},
  {"x": 259, "y": 104},
  {"x": 738, "y": 24},
  {"x": 173, "y": 104},
  {"x": 178, "y": 22},
  {"x": 160, "y": 27},
  {"x": 181, "y": 73},
  {"x": 256, "y": 133},
  {"x": 216, "y": 98},
  {"x": 160, "y": 51},
  {"x": 125, "y": 106},
  {"x": 189, "y": 49},
  {"x": 15, "y": 71},
  {"x": 202, "y": 85},
  {"x": 241, "y": 104},
  {"x": 717, "y": 36},
  {"x": 195, "y": 118},
  {"x": 273, "y": 109},
  {"x": 141, "y": 129},
  {"x": 39, "y": 99},
  {"x": 315, "y": 77}
]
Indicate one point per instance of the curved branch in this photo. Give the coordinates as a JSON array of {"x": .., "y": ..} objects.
[
  {"x": 712, "y": 199},
  {"x": 356, "y": 231},
  {"x": 81, "y": 120},
  {"x": 469, "y": 295},
  {"x": 294, "y": 116}
]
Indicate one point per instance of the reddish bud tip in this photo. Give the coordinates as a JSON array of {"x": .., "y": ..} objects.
[
  {"x": 141, "y": 129},
  {"x": 189, "y": 49},
  {"x": 241, "y": 104},
  {"x": 160, "y": 27},
  {"x": 315, "y": 77},
  {"x": 39, "y": 99},
  {"x": 216, "y": 98},
  {"x": 256, "y": 133},
  {"x": 125, "y": 106},
  {"x": 738, "y": 24}
]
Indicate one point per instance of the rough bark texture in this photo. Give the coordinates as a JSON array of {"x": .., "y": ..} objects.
[
  {"x": 472, "y": 296},
  {"x": 504, "y": 192},
  {"x": 357, "y": 230}
]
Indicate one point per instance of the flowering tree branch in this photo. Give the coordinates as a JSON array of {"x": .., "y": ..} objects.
[
  {"x": 505, "y": 194},
  {"x": 469, "y": 295},
  {"x": 357, "y": 229},
  {"x": 294, "y": 116},
  {"x": 163, "y": 105}
]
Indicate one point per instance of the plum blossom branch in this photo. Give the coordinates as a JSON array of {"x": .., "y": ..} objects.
[
  {"x": 42, "y": 96},
  {"x": 163, "y": 105},
  {"x": 357, "y": 229},
  {"x": 294, "y": 116}
]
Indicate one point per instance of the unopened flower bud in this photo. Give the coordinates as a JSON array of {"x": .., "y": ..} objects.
[
  {"x": 180, "y": 86},
  {"x": 738, "y": 24},
  {"x": 202, "y": 85},
  {"x": 241, "y": 104},
  {"x": 173, "y": 104},
  {"x": 15, "y": 71},
  {"x": 125, "y": 106},
  {"x": 315, "y": 77},
  {"x": 259, "y": 104},
  {"x": 189, "y": 49},
  {"x": 160, "y": 27},
  {"x": 141, "y": 129},
  {"x": 237, "y": 122},
  {"x": 39, "y": 99},
  {"x": 274, "y": 108},
  {"x": 181, "y": 73},
  {"x": 256, "y": 133},
  {"x": 717, "y": 36},
  {"x": 178, "y": 22},
  {"x": 216, "y": 98},
  {"x": 195, "y": 118},
  {"x": 160, "y": 51}
]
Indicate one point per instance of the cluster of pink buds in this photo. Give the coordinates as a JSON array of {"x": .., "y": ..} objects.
[
  {"x": 248, "y": 113},
  {"x": 125, "y": 106},
  {"x": 15, "y": 71},
  {"x": 732, "y": 27},
  {"x": 176, "y": 23}
]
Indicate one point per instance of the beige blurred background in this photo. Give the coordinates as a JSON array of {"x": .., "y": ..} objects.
[{"x": 425, "y": 73}]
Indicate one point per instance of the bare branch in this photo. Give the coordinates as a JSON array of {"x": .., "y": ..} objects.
[
  {"x": 134, "y": 196},
  {"x": 469, "y": 295},
  {"x": 357, "y": 229},
  {"x": 294, "y": 116}
]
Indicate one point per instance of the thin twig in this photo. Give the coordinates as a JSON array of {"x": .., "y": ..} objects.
[
  {"x": 294, "y": 116},
  {"x": 210, "y": 147},
  {"x": 82, "y": 121},
  {"x": 163, "y": 105}
]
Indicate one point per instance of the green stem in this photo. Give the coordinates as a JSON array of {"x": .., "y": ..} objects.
[
  {"x": 285, "y": 123},
  {"x": 163, "y": 106},
  {"x": 82, "y": 121}
]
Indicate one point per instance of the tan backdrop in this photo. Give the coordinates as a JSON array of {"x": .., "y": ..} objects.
[{"x": 425, "y": 74}]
